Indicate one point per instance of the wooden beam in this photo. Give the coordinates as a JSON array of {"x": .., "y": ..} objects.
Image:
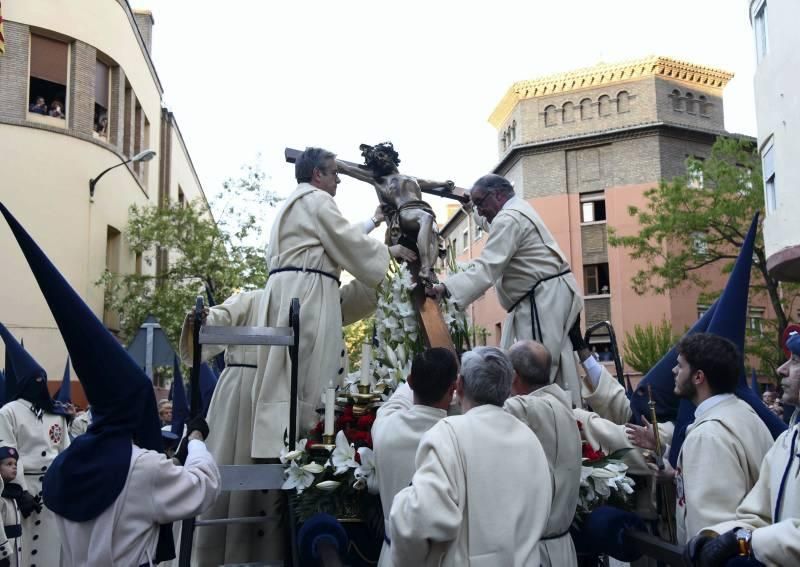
[{"x": 457, "y": 193}]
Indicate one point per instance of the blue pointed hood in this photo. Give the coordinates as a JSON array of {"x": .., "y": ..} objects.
[
  {"x": 25, "y": 369},
  {"x": 729, "y": 320},
  {"x": 87, "y": 477},
  {"x": 180, "y": 407},
  {"x": 208, "y": 382},
  {"x": 64, "y": 394}
]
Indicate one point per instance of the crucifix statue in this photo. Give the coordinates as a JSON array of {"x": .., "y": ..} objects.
[{"x": 410, "y": 220}]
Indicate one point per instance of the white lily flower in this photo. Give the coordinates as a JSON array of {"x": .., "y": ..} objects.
[
  {"x": 367, "y": 469},
  {"x": 410, "y": 324},
  {"x": 602, "y": 473},
  {"x": 344, "y": 455},
  {"x": 313, "y": 468},
  {"x": 328, "y": 485},
  {"x": 297, "y": 477},
  {"x": 617, "y": 467},
  {"x": 287, "y": 455},
  {"x": 390, "y": 356},
  {"x": 601, "y": 487},
  {"x": 405, "y": 310}
]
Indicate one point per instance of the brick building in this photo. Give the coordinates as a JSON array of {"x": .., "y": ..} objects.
[
  {"x": 582, "y": 147},
  {"x": 93, "y": 57}
]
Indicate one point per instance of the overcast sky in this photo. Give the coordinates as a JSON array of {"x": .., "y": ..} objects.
[{"x": 245, "y": 77}]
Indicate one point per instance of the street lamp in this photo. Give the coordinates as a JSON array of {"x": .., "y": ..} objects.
[{"x": 145, "y": 155}]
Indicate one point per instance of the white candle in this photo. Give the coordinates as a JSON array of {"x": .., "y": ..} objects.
[
  {"x": 330, "y": 404},
  {"x": 366, "y": 357}
]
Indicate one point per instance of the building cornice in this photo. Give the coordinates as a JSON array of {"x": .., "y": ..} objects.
[
  {"x": 591, "y": 138},
  {"x": 605, "y": 74}
]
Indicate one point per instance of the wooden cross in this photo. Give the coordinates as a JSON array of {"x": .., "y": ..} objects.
[
  {"x": 434, "y": 330},
  {"x": 457, "y": 193}
]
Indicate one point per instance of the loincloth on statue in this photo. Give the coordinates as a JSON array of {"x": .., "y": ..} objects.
[{"x": 394, "y": 233}]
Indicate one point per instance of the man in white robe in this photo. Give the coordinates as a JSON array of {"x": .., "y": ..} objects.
[
  {"x": 768, "y": 519},
  {"x": 156, "y": 492},
  {"x": 482, "y": 491},
  {"x": 719, "y": 460},
  {"x": 230, "y": 419},
  {"x": 530, "y": 273},
  {"x": 310, "y": 244},
  {"x": 415, "y": 407},
  {"x": 547, "y": 409}
]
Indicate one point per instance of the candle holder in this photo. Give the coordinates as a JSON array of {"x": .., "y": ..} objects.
[
  {"x": 363, "y": 400},
  {"x": 321, "y": 452},
  {"x": 328, "y": 440}
]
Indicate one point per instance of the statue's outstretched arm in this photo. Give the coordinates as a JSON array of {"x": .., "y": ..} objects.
[
  {"x": 427, "y": 185},
  {"x": 355, "y": 172}
]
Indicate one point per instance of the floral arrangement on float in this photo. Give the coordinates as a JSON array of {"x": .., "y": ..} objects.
[
  {"x": 333, "y": 469},
  {"x": 604, "y": 480}
]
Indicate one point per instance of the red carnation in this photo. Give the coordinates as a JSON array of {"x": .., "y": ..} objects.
[
  {"x": 589, "y": 453},
  {"x": 365, "y": 422}
]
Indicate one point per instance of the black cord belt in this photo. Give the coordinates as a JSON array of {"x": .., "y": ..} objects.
[
  {"x": 535, "y": 323},
  {"x": 311, "y": 270},
  {"x": 241, "y": 366},
  {"x": 558, "y": 536}
]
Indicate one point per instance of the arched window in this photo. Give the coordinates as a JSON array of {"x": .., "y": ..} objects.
[
  {"x": 604, "y": 104},
  {"x": 504, "y": 141},
  {"x": 586, "y": 109},
  {"x": 691, "y": 107},
  {"x": 623, "y": 102},
  {"x": 550, "y": 116},
  {"x": 513, "y": 130},
  {"x": 677, "y": 101},
  {"x": 568, "y": 112},
  {"x": 705, "y": 106}
]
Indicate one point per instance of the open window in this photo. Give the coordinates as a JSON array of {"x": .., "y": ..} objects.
[
  {"x": 595, "y": 279},
  {"x": 101, "y": 99},
  {"x": 593, "y": 207},
  {"x": 47, "y": 85}
]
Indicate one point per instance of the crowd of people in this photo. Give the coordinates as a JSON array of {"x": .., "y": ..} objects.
[{"x": 494, "y": 483}]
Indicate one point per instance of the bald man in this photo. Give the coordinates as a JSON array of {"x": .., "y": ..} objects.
[{"x": 547, "y": 410}]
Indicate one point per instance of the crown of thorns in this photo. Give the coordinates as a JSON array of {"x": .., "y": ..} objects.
[{"x": 368, "y": 152}]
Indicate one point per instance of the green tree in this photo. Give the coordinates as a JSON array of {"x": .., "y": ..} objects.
[
  {"x": 701, "y": 219},
  {"x": 221, "y": 257},
  {"x": 648, "y": 344},
  {"x": 355, "y": 335}
]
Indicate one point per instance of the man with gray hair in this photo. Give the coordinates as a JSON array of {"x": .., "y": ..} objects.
[
  {"x": 547, "y": 410},
  {"x": 309, "y": 246},
  {"x": 482, "y": 490},
  {"x": 530, "y": 273}
]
